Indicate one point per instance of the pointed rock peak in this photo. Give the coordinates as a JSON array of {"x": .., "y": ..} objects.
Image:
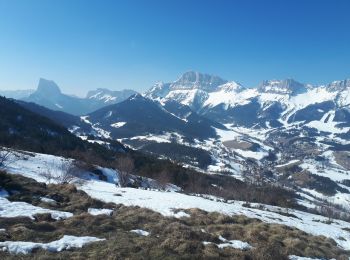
[
  {"x": 159, "y": 89},
  {"x": 339, "y": 85},
  {"x": 286, "y": 86},
  {"x": 136, "y": 97},
  {"x": 192, "y": 79},
  {"x": 48, "y": 87}
]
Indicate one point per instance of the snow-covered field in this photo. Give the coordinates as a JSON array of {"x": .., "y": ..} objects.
[{"x": 167, "y": 202}]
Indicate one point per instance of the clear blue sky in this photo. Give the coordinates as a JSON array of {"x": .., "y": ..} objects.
[{"x": 86, "y": 44}]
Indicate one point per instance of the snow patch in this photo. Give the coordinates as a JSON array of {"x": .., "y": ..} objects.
[
  {"x": 288, "y": 163},
  {"x": 48, "y": 200},
  {"x": 65, "y": 243},
  {"x": 95, "y": 212},
  {"x": 140, "y": 232},
  {"x": 10, "y": 209},
  {"x": 237, "y": 244},
  {"x": 181, "y": 214},
  {"x": 118, "y": 124},
  {"x": 294, "y": 257}
]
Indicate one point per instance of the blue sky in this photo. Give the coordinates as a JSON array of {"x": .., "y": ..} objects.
[{"x": 84, "y": 44}]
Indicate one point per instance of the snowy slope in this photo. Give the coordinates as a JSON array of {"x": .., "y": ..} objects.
[{"x": 166, "y": 202}]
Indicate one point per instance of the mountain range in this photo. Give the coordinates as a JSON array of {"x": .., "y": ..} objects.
[
  {"x": 282, "y": 132},
  {"x": 273, "y": 103},
  {"x": 207, "y": 114},
  {"x": 49, "y": 95}
]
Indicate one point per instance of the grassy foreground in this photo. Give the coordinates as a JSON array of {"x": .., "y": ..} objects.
[{"x": 169, "y": 238}]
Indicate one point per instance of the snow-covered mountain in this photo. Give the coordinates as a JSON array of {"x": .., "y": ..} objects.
[
  {"x": 152, "y": 127},
  {"x": 193, "y": 89},
  {"x": 109, "y": 96},
  {"x": 49, "y": 95},
  {"x": 273, "y": 103},
  {"x": 139, "y": 115}
]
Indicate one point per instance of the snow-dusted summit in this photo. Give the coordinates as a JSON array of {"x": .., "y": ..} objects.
[
  {"x": 272, "y": 103},
  {"x": 109, "y": 96},
  {"x": 192, "y": 89}
]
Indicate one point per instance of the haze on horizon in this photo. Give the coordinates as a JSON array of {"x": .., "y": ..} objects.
[{"x": 84, "y": 45}]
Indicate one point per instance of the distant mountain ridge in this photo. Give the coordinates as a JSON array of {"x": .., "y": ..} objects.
[
  {"x": 49, "y": 95},
  {"x": 16, "y": 94}
]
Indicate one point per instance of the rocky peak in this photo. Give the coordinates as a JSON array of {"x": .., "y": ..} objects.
[
  {"x": 286, "y": 86},
  {"x": 48, "y": 87},
  {"x": 339, "y": 85},
  {"x": 196, "y": 80}
]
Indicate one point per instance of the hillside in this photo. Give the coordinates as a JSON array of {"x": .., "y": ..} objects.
[{"x": 165, "y": 224}]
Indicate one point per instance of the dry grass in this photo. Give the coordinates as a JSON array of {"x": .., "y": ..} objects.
[{"x": 170, "y": 238}]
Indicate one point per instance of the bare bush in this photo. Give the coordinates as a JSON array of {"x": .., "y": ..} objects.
[
  {"x": 328, "y": 210},
  {"x": 7, "y": 156},
  {"x": 4, "y": 156},
  {"x": 63, "y": 172},
  {"x": 164, "y": 179},
  {"x": 47, "y": 175},
  {"x": 125, "y": 166}
]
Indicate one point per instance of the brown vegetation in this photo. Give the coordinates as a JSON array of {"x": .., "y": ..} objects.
[
  {"x": 170, "y": 238},
  {"x": 125, "y": 167}
]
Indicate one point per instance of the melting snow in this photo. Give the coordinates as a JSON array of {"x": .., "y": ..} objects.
[
  {"x": 48, "y": 200},
  {"x": 140, "y": 232},
  {"x": 166, "y": 202},
  {"x": 238, "y": 244},
  {"x": 294, "y": 257},
  {"x": 65, "y": 243},
  {"x": 10, "y": 209},
  {"x": 181, "y": 214},
  {"x": 96, "y": 212}
]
